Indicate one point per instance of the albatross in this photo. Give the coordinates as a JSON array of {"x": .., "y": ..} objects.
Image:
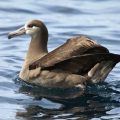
[{"x": 79, "y": 61}]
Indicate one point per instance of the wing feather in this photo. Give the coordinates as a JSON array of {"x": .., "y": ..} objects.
[
  {"x": 83, "y": 63},
  {"x": 63, "y": 55}
]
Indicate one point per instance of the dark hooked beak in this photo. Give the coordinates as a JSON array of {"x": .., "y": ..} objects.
[{"x": 20, "y": 31}]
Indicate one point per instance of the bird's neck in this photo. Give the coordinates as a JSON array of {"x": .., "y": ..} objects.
[{"x": 37, "y": 48}]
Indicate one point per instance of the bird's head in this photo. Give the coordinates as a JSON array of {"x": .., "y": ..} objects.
[{"x": 31, "y": 28}]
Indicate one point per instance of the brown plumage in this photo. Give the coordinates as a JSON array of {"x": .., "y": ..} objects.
[{"x": 78, "y": 61}]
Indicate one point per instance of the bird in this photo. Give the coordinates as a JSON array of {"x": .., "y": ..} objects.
[{"x": 79, "y": 61}]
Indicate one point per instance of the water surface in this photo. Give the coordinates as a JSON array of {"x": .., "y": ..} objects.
[{"x": 100, "y": 20}]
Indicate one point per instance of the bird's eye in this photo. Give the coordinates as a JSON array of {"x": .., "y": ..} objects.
[{"x": 30, "y": 26}]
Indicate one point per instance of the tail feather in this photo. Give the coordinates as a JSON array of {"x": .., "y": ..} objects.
[{"x": 100, "y": 71}]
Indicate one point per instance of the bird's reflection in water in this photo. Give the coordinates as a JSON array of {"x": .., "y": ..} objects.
[{"x": 74, "y": 103}]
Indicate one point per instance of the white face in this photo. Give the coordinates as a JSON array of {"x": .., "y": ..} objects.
[{"x": 31, "y": 30}]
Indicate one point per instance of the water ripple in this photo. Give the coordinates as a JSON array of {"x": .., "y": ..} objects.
[
  {"x": 63, "y": 10},
  {"x": 24, "y": 11}
]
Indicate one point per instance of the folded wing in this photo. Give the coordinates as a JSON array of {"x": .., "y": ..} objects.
[{"x": 77, "y": 55}]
